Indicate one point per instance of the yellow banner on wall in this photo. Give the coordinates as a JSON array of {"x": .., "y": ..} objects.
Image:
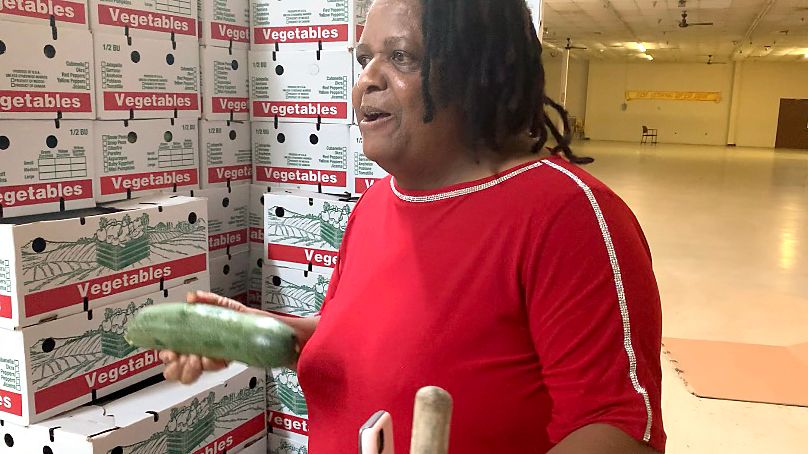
[{"x": 714, "y": 96}]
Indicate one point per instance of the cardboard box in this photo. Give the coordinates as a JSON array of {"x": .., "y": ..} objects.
[
  {"x": 294, "y": 25},
  {"x": 363, "y": 172},
  {"x": 224, "y": 23},
  {"x": 225, "y": 153},
  {"x": 137, "y": 18},
  {"x": 65, "y": 13},
  {"x": 45, "y": 168},
  {"x": 60, "y": 365},
  {"x": 283, "y": 442},
  {"x": 143, "y": 157},
  {"x": 230, "y": 275},
  {"x": 222, "y": 412},
  {"x": 146, "y": 78},
  {"x": 43, "y": 77},
  {"x": 58, "y": 265},
  {"x": 228, "y": 218},
  {"x": 256, "y": 266},
  {"x": 225, "y": 84},
  {"x": 257, "y": 192},
  {"x": 301, "y": 156},
  {"x": 302, "y": 86},
  {"x": 257, "y": 447},
  {"x": 294, "y": 292},
  {"x": 287, "y": 412},
  {"x": 304, "y": 230}
]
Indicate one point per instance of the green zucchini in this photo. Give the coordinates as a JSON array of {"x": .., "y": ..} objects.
[{"x": 214, "y": 332}]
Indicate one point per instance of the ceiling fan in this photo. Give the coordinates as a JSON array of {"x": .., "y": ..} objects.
[
  {"x": 569, "y": 46},
  {"x": 684, "y": 23}
]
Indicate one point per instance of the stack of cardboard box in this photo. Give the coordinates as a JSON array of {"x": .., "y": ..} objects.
[
  {"x": 305, "y": 150},
  {"x": 99, "y": 111}
]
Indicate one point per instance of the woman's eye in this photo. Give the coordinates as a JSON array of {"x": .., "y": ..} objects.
[
  {"x": 363, "y": 60},
  {"x": 399, "y": 56}
]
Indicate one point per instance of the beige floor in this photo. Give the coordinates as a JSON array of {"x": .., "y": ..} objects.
[{"x": 729, "y": 232}]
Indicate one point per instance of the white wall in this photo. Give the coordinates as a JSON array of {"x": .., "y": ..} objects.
[
  {"x": 762, "y": 86},
  {"x": 685, "y": 122},
  {"x": 705, "y": 123},
  {"x": 577, "y": 81}
]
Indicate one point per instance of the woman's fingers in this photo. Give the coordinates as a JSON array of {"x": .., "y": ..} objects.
[
  {"x": 213, "y": 299},
  {"x": 191, "y": 370},
  {"x": 210, "y": 364},
  {"x": 167, "y": 356}
]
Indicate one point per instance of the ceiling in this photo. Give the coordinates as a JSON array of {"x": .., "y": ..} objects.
[{"x": 770, "y": 30}]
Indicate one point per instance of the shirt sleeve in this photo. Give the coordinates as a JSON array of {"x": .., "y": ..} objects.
[{"x": 595, "y": 318}]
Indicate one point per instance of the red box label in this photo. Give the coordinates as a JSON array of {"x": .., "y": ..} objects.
[
  {"x": 301, "y": 34},
  {"x": 313, "y": 109},
  {"x": 10, "y": 403},
  {"x": 44, "y": 101},
  {"x": 115, "y": 100},
  {"x": 229, "y": 32},
  {"x": 332, "y": 178},
  {"x": 145, "y": 20},
  {"x": 61, "y": 10},
  {"x": 35, "y": 194},
  {"x": 119, "y": 184},
  {"x": 302, "y": 255}
]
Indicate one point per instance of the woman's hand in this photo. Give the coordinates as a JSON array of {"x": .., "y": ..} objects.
[{"x": 187, "y": 368}]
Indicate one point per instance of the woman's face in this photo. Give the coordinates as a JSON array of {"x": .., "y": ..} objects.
[{"x": 387, "y": 97}]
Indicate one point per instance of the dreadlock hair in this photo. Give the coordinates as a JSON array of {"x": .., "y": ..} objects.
[{"x": 486, "y": 57}]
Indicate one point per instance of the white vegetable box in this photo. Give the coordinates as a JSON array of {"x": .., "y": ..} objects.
[
  {"x": 230, "y": 275},
  {"x": 257, "y": 447},
  {"x": 44, "y": 77},
  {"x": 152, "y": 18},
  {"x": 229, "y": 217},
  {"x": 306, "y": 25},
  {"x": 287, "y": 412},
  {"x": 225, "y": 84},
  {"x": 224, "y": 23},
  {"x": 225, "y": 153},
  {"x": 65, "y": 13},
  {"x": 221, "y": 413},
  {"x": 364, "y": 172},
  {"x": 293, "y": 292},
  {"x": 301, "y": 156},
  {"x": 284, "y": 442},
  {"x": 255, "y": 270},
  {"x": 58, "y": 265},
  {"x": 143, "y": 157},
  {"x": 59, "y": 365},
  {"x": 257, "y": 192},
  {"x": 304, "y": 230},
  {"x": 302, "y": 86},
  {"x": 146, "y": 78},
  {"x": 45, "y": 168}
]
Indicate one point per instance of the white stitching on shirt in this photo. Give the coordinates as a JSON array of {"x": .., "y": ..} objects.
[
  {"x": 463, "y": 191},
  {"x": 621, "y": 295}
]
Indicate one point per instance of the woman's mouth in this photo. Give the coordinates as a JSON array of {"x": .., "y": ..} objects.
[{"x": 372, "y": 116}]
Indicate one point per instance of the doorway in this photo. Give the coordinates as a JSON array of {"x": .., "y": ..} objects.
[{"x": 792, "y": 125}]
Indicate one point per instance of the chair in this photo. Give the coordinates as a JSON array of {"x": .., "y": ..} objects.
[{"x": 648, "y": 133}]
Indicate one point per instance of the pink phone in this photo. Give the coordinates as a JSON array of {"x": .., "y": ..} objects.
[{"x": 376, "y": 435}]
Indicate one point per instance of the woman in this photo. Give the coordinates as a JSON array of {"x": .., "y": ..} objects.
[{"x": 521, "y": 285}]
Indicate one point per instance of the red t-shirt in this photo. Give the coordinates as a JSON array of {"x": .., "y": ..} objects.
[{"x": 529, "y": 296}]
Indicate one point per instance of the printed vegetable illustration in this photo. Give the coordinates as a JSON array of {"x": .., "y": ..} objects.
[
  {"x": 55, "y": 359},
  {"x": 187, "y": 424},
  {"x": 295, "y": 299},
  {"x": 323, "y": 231},
  {"x": 215, "y": 332},
  {"x": 116, "y": 245}
]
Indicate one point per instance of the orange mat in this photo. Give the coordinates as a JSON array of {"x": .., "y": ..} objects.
[{"x": 745, "y": 372}]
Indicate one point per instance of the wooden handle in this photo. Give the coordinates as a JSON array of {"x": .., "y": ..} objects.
[{"x": 430, "y": 421}]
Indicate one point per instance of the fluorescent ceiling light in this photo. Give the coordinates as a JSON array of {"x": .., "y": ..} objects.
[{"x": 641, "y": 47}]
